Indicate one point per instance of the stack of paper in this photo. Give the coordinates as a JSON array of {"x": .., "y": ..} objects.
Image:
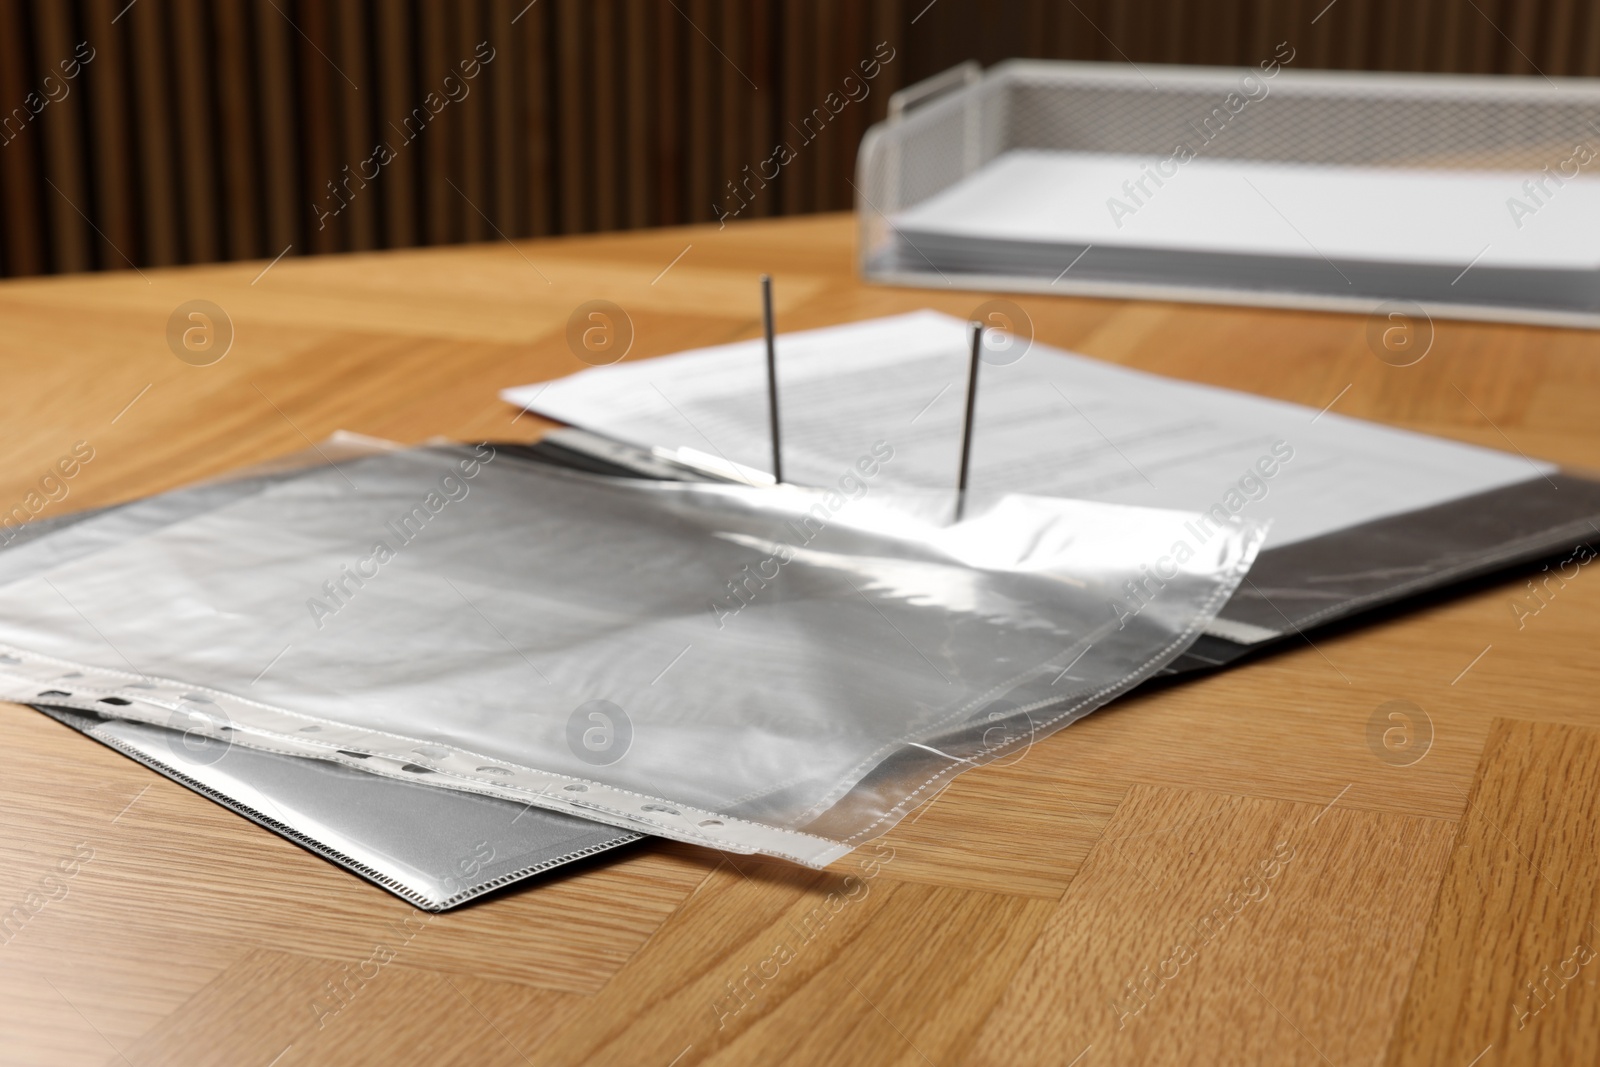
[
  {"x": 1052, "y": 423},
  {"x": 1440, "y": 236},
  {"x": 1361, "y": 514}
]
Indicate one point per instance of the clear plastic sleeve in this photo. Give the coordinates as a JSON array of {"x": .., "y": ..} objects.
[{"x": 780, "y": 670}]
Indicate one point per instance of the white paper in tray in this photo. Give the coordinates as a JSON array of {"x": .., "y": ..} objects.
[{"x": 1374, "y": 214}]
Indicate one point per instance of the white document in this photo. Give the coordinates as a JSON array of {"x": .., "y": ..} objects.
[
  {"x": 1048, "y": 423},
  {"x": 1381, "y": 214}
]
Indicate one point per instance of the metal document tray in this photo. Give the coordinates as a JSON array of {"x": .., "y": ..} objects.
[{"x": 941, "y": 130}]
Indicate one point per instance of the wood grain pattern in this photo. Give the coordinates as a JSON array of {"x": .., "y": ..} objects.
[
  {"x": 1053, "y": 820},
  {"x": 1508, "y": 967},
  {"x": 1292, "y": 927},
  {"x": 1001, "y": 919},
  {"x": 281, "y": 1003}
]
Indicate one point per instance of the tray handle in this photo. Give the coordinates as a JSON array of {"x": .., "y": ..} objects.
[{"x": 961, "y": 75}]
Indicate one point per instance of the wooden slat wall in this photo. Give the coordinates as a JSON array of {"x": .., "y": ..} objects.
[{"x": 230, "y": 129}]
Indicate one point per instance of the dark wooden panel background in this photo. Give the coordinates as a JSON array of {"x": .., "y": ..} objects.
[{"x": 229, "y": 129}]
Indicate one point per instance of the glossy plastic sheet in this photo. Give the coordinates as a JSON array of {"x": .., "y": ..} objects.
[
  {"x": 436, "y": 848},
  {"x": 778, "y": 670}
]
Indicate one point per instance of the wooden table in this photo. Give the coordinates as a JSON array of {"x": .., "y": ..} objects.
[{"x": 1223, "y": 871}]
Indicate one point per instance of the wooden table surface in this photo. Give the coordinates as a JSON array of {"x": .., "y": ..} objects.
[{"x": 1231, "y": 870}]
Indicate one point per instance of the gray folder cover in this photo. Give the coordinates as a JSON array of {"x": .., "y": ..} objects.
[{"x": 435, "y": 848}]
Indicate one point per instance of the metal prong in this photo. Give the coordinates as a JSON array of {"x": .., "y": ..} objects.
[
  {"x": 772, "y": 377},
  {"x": 966, "y": 427}
]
